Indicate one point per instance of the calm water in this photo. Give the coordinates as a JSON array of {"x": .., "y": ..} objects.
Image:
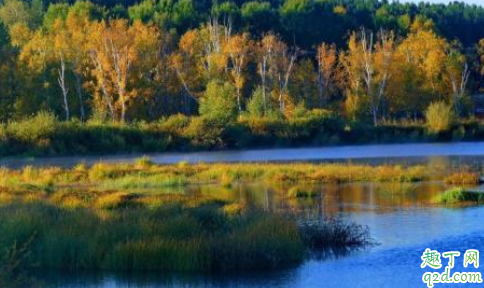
[
  {"x": 400, "y": 217},
  {"x": 454, "y": 153}
]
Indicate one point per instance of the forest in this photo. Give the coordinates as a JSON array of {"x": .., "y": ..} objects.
[{"x": 186, "y": 74}]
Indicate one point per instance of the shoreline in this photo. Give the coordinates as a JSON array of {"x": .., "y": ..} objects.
[{"x": 308, "y": 154}]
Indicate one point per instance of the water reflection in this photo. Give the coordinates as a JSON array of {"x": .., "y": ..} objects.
[{"x": 329, "y": 200}]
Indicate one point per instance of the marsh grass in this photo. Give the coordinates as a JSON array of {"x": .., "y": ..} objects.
[
  {"x": 334, "y": 234},
  {"x": 79, "y": 228},
  {"x": 99, "y": 218},
  {"x": 12, "y": 265},
  {"x": 462, "y": 178},
  {"x": 145, "y": 182},
  {"x": 460, "y": 196},
  {"x": 181, "y": 235},
  {"x": 145, "y": 174}
]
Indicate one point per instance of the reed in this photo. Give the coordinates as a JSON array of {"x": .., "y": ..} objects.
[
  {"x": 460, "y": 196},
  {"x": 462, "y": 178},
  {"x": 144, "y": 174},
  {"x": 124, "y": 230}
]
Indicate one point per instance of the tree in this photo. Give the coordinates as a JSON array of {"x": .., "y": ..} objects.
[
  {"x": 326, "y": 59},
  {"x": 458, "y": 75},
  {"x": 61, "y": 50},
  {"x": 384, "y": 53},
  {"x": 238, "y": 48},
  {"x": 117, "y": 50},
  {"x": 276, "y": 63},
  {"x": 15, "y": 11},
  {"x": 185, "y": 62},
  {"x": 418, "y": 70},
  {"x": 258, "y": 17},
  {"x": 218, "y": 102},
  {"x": 367, "y": 66}
]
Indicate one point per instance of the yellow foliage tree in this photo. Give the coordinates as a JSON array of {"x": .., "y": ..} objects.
[{"x": 121, "y": 54}]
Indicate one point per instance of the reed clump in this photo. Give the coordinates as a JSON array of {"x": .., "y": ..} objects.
[
  {"x": 460, "y": 196},
  {"x": 462, "y": 178}
]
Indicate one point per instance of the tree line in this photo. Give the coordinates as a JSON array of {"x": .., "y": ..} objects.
[{"x": 366, "y": 60}]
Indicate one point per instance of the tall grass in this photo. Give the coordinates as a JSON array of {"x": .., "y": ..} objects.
[
  {"x": 463, "y": 178},
  {"x": 460, "y": 196},
  {"x": 143, "y": 174},
  {"x": 181, "y": 235},
  {"x": 13, "y": 261}
]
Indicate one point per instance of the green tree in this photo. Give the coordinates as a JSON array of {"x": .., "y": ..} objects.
[{"x": 218, "y": 104}]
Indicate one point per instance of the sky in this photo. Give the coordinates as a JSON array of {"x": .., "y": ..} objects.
[{"x": 480, "y": 2}]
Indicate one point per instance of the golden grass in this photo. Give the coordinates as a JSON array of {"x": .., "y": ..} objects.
[
  {"x": 145, "y": 174},
  {"x": 462, "y": 178}
]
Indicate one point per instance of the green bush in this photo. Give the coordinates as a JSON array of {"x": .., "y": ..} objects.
[
  {"x": 33, "y": 129},
  {"x": 174, "y": 124},
  {"x": 204, "y": 133},
  {"x": 256, "y": 107},
  {"x": 218, "y": 103},
  {"x": 439, "y": 117}
]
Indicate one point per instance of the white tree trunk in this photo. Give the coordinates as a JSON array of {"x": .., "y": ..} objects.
[{"x": 62, "y": 84}]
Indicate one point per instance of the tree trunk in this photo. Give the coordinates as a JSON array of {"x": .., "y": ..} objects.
[
  {"x": 62, "y": 84},
  {"x": 238, "y": 100},
  {"x": 79, "y": 94}
]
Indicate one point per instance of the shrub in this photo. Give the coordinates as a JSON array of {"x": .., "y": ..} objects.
[
  {"x": 439, "y": 117},
  {"x": 218, "y": 103},
  {"x": 256, "y": 107},
  {"x": 204, "y": 133},
  {"x": 33, "y": 129},
  {"x": 334, "y": 234},
  {"x": 175, "y": 123}
]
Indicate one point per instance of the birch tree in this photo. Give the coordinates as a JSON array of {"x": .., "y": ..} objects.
[{"x": 326, "y": 58}]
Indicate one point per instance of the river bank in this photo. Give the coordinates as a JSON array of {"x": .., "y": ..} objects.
[
  {"x": 463, "y": 153},
  {"x": 44, "y": 135}
]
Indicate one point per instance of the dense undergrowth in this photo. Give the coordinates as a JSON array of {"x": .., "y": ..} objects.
[{"x": 45, "y": 135}]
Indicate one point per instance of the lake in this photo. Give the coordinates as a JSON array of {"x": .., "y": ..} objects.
[{"x": 400, "y": 216}]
